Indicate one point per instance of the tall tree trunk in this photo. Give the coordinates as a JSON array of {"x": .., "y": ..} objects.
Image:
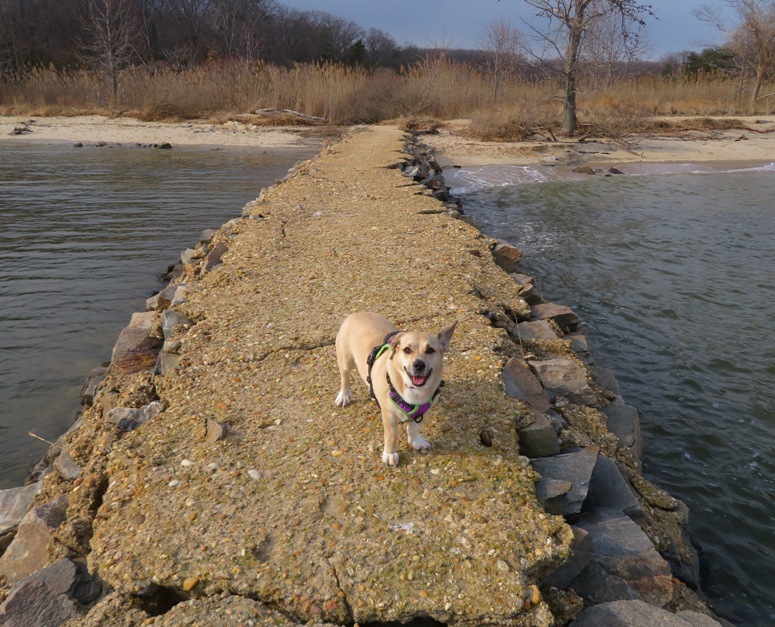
[{"x": 572, "y": 52}]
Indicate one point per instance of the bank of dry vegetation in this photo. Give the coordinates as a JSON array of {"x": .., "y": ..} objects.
[{"x": 435, "y": 87}]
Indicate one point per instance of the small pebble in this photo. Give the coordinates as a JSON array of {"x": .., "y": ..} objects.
[
  {"x": 190, "y": 583},
  {"x": 186, "y": 463},
  {"x": 174, "y": 483},
  {"x": 254, "y": 474}
]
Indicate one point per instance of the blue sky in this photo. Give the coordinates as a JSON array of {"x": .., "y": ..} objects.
[{"x": 461, "y": 23}]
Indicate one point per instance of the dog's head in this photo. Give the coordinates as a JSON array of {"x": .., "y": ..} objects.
[{"x": 417, "y": 358}]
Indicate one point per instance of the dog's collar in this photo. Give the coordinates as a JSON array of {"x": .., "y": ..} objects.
[{"x": 413, "y": 412}]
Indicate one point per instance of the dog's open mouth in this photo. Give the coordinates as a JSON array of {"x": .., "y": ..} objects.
[{"x": 418, "y": 380}]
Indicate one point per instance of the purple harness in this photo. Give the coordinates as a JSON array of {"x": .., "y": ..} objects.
[{"x": 413, "y": 412}]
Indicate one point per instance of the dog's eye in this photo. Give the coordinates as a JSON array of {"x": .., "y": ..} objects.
[
  {"x": 430, "y": 350},
  {"x": 407, "y": 350}
]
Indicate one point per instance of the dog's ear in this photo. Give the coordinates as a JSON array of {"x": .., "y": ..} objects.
[
  {"x": 445, "y": 336},
  {"x": 395, "y": 343}
]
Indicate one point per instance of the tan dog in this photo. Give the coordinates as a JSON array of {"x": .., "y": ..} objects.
[{"x": 405, "y": 374}]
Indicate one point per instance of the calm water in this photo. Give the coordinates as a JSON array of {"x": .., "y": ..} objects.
[
  {"x": 673, "y": 276},
  {"x": 84, "y": 234}
]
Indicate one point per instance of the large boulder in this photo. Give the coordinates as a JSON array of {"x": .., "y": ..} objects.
[
  {"x": 564, "y": 316},
  {"x": 14, "y": 505},
  {"x": 519, "y": 382},
  {"x": 625, "y": 564},
  {"x": 564, "y": 377},
  {"x": 573, "y": 469},
  {"x": 636, "y": 613},
  {"x": 624, "y": 422},
  {"x": 538, "y": 439},
  {"x": 136, "y": 350},
  {"x": 28, "y": 552},
  {"x": 506, "y": 255},
  {"x": 33, "y": 604},
  {"x": 609, "y": 489}
]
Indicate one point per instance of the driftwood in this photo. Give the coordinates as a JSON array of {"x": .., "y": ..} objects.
[
  {"x": 19, "y": 130},
  {"x": 291, "y": 113}
]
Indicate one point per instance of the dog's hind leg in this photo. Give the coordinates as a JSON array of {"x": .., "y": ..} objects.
[{"x": 346, "y": 366}]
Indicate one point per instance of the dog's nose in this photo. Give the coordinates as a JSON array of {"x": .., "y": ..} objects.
[{"x": 419, "y": 365}]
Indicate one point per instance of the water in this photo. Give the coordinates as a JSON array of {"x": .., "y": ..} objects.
[
  {"x": 673, "y": 276},
  {"x": 84, "y": 235}
]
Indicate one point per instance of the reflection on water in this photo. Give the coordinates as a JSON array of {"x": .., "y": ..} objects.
[
  {"x": 84, "y": 234},
  {"x": 673, "y": 278}
]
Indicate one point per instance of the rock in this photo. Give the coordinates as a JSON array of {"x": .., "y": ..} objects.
[
  {"x": 614, "y": 171},
  {"x": 536, "y": 330},
  {"x": 609, "y": 489},
  {"x": 215, "y": 431},
  {"x": 170, "y": 320},
  {"x": 162, "y": 300},
  {"x": 190, "y": 259},
  {"x": 564, "y": 316},
  {"x": 33, "y": 604},
  {"x": 527, "y": 289},
  {"x": 583, "y": 169},
  {"x": 181, "y": 292},
  {"x": 624, "y": 422},
  {"x": 581, "y": 554},
  {"x": 66, "y": 467},
  {"x": 506, "y": 255},
  {"x": 130, "y": 418},
  {"x": 135, "y": 350},
  {"x": 59, "y": 577},
  {"x": 625, "y": 564},
  {"x": 605, "y": 378},
  {"x": 166, "y": 363},
  {"x": 636, "y": 613},
  {"x": 93, "y": 380},
  {"x": 564, "y": 377},
  {"x": 214, "y": 257},
  {"x": 576, "y": 468},
  {"x": 207, "y": 236},
  {"x": 165, "y": 146},
  {"x": 519, "y": 382},
  {"x": 538, "y": 439},
  {"x": 577, "y": 342},
  {"x": 14, "y": 505},
  {"x": 28, "y": 552}
]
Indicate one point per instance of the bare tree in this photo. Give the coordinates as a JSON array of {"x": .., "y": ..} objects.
[
  {"x": 110, "y": 27},
  {"x": 606, "y": 54},
  {"x": 500, "y": 45},
  {"x": 569, "y": 21},
  {"x": 751, "y": 38}
]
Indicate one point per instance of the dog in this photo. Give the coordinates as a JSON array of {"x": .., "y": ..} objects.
[{"x": 402, "y": 369}]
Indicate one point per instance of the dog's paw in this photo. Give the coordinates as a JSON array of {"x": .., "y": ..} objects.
[
  {"x": 420, "y": 444},
  {"x": 391, "y": 459},
  {"x": 342, "y": 399}
]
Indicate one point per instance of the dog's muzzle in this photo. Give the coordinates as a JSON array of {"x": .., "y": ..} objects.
[{"x": 418, "y": 375}]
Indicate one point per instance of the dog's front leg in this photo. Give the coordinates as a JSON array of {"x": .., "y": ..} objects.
[
  {"x": 390, "y": 427},
  {"x": 415, "y": 441}
]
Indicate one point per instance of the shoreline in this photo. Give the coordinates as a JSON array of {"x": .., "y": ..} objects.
[{"x": 97, "y": 129}]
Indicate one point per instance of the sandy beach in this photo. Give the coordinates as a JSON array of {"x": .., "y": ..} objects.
[
  {"x": 752, "y": 141},
  {"x": 92, "y": 129}
]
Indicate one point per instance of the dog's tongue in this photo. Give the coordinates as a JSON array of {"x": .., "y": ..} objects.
[{"x": 419, "y": 381}]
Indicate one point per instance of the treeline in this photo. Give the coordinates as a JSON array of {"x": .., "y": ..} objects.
[{"x": 90, "y": 34}]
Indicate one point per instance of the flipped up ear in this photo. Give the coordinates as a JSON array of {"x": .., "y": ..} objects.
[
  {"x": 395, "y": 343},
  {"x": 445, "y": 336}
]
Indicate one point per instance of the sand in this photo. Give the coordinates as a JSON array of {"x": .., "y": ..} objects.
[
  {"x": 753, "y": 142},
  {"x": 92, "y": 129}
]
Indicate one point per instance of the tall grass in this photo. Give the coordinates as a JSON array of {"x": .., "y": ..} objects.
[{"x": 435, "y": 87}]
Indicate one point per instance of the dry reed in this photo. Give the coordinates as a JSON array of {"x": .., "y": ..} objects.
[{"x": 435, "y": 87}]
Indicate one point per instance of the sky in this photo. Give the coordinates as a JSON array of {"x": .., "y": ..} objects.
[{"x": 462, "y": 23}]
